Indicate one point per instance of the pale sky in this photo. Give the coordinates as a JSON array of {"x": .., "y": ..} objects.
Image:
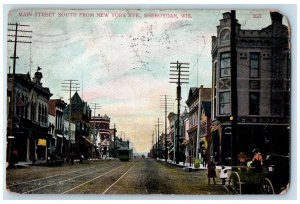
[{"x": 122, "y": 63}]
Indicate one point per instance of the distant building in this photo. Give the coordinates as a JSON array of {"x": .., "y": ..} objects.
[
  {"x": 185, "y": 127},
  {"x": 28, "y": 132},
  {"x": 193, "y": 103},
  {"x": 204, "y": 133},
  {"x": 102, "y": 126},
  {"x": 81, "y": 116},
  {"x": 102, "y": 131},
  {"x": 70, "y": 138},
  {"x": 204, "y": 130},
  {"x": 59, "y": 141},
  {"x": 172, "y": 144},
  {"x": 198, "y": 99},
  {"x": 263, "y": 89}
]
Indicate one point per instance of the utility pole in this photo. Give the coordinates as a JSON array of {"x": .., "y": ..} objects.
[
  {"x": 158, "y": 146},
  {"x": 165, "y": 105},
  {"x": 157, "y": 137},
  {"x": 96, "y": 106},
  {"x": 70, "y": 85},
  {"x": 15, "y": 40},
  {"x": 115, "y": 148},
  {"x": 153, "y": 145},
  {"x": 181, "y": 74},
  {"x": 233, "y": 75},
  {"x": 155, "y": 140}
]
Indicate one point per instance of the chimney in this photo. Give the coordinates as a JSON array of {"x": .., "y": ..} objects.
[
  {"x": 276, "y": 23},
  {"x": 276, "y": 17}
]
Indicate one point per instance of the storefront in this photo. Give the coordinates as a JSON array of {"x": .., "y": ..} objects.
[
  {"x": 269, "y": 138},
  {"x": 216, "y": 139}
]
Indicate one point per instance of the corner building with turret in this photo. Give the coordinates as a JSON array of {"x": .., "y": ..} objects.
[{"x": 263, "y": 90}]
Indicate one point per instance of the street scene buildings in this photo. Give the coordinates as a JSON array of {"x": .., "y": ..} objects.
[
  {"x": 243, "y": 108},
  {"x": 261, "y": 95}
]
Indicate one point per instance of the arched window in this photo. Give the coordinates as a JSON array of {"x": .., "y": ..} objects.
[
  {"x": 33, "y": 111},
  {"x": 225, "y": 36},
  {"x": 46, "y": 114},
  {"x": 26, "y": 108},
  {"x": 23, "y": 107},
  {"x": 39, "y": 113},
  {"x": 18, "y": 110},
  {"x": 43, "y": 114}
]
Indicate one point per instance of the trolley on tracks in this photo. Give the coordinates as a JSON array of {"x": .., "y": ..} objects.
[
  {"x": 273, "y": 179},
  {"x": 124, "y": 154}
]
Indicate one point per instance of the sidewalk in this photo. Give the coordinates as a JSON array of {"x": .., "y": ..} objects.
[
  {"x": 189, "y": 167},
  {"x": 24, "y": 164}
]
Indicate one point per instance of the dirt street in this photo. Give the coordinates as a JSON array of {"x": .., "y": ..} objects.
[{"x": 136, "y": 177}]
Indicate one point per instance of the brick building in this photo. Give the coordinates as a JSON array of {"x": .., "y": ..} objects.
[
  {"x": 81, "y": 116},
  {"x": 101, "y": 125},
  {"x": 59, "y": 142},
  {"x": 28, "y": 135},
  {"x": 263, "y": 89}
]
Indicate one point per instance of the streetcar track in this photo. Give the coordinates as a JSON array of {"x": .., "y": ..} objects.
[
  {"x": 130, "y": 177},
  {"x": 54, "y": 183},
  {"x": 107, "y": 189},
  {"x": 40, "y": 179},
  {"x": 91, "y": 180}
]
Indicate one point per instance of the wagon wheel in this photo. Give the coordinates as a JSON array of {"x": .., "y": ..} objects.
[
  {"x": 235, "y": 182},
  {"x": 267, "y": 187}
]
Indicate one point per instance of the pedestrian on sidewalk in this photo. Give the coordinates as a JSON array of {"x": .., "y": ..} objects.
[
  {"x": 211, "y": 171},
  {"x": 223, "y": 175},
  {"x": 183, "y": 157},
  {"x": 13, "y": 158},
  {"x": 204, "y": 158}
]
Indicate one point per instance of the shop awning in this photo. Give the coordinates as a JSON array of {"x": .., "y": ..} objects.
[
  {"x": 193, "y": 134},
  {"x": 192, "y": 130},
  {"x": 185, "y": 141},
  {"x": 104, "y": 142},
  {"x": 87, "y": 142},
  {"x": 171, "y": 150}
]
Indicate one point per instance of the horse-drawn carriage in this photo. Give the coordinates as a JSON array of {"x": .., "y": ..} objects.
[{"x": 274, "y": 178}]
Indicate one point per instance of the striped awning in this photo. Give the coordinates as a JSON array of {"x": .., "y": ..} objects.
[
  {"x": 186, "y": 142},
  {"x": 171, "y": 150}
]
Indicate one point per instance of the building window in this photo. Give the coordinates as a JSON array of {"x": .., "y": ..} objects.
[
  {"x": 26, "y": 108},
  {"x": 254, "y": 84},
  {"x": 32, "y": 108},
  {"x": 276, "y": 107},
  {"x": 225, "y": 64},
  {"x": 254, "y": 65},
  {"x": 39, "y": 113},
  {"x": 215, "y": 89},
  {"x": 254, "y": 103},
  {"x": 44, "y": 114},
  {"x": 224, "y": 103},
  {"x": 22, "y": 107},
  {"x": 203, "y": 128}
]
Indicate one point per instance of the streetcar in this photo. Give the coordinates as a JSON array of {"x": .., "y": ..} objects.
[{"x": 124, "y": 154}]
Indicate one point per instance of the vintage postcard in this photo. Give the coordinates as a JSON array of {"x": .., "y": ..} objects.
[{"x": 148, "y": 102}]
